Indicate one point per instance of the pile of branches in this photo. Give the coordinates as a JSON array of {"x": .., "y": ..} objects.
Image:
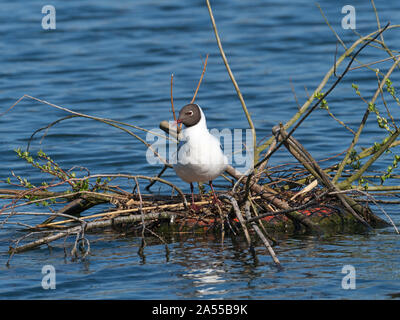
[{"x": 263, "y": 192}]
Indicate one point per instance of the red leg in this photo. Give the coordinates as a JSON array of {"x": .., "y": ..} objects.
[
  {"x": 215, "y": 200},
  {"x": 193, "y": 206}
]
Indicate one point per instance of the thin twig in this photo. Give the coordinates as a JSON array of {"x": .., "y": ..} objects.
[
  {"x": 239, "y": 215},
  {"x": 172, "y": 97},
  {"x": 239, "y": 93},
  {"x": 200, "y": 80},
  {"x": 261, "y": 235}
]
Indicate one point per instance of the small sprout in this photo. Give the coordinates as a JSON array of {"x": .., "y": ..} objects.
[
  {"x": 324, "y": 103},
  {"x": 372, "y": 107},
  {"x": 391, "y": 90},
  {"x": 353, "y": 154},
  {"x": 355, "y": 86}
]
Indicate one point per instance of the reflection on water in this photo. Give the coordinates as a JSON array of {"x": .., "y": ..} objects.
[{"x": 206, "y": 279}]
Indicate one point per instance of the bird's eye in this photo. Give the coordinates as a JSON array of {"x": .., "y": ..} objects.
[{"x": 189, "y": 113}]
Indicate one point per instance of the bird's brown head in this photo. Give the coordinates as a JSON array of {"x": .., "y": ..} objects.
[{"x": 189, "y": 115}]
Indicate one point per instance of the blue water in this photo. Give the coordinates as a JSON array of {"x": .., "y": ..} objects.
[{"x": 114, "y": 59}]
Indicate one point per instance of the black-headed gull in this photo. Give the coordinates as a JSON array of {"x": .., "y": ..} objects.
[{"x": 200, "y": 157}]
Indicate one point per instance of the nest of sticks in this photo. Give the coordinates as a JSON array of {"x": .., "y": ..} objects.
[{"x": 246, "y": 207}]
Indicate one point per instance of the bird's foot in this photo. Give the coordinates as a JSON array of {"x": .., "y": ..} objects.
[
  {"x": 195, "y": 207},
  {"x": 216, "y": 201}
]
